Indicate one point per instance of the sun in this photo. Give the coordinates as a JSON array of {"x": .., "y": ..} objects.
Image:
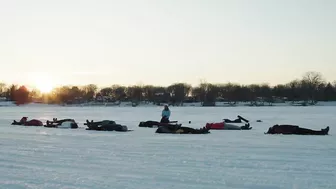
[
  {"x": 43, "y": 83},
  {"x": 44, "y": 87}
]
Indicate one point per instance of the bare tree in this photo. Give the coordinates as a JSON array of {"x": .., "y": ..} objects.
[
  {"x": 313, "y": 79},
  {"x": 329, "y": 93},
  {"x": 312, "y": 82},
  {"x": 2, "y": 89},
  {"x": 134, "y": 93},
  {"x": 119, "y": 92},
  {"x": 294, "y": 89},
  {"x": 311, "y": 87},
  {"x": 21, "y": 95},
  {"x": 107, "y": 91},
  {"x": 89, "y": 91},
  {"x": 178, "y": 92}
]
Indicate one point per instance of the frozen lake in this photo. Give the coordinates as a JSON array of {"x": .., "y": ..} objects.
[{"x": 67, "y": 159}]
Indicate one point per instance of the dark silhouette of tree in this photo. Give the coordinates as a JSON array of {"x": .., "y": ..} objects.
[
  {"x": 134, "y": 93},
  {"x": 34, "y": 94},
  {"x": 63, "y": 94},
  {"x": 280, "y": 91},
  {"x": 21, "y": 95},
  {"x": 119, "y": 92},
  {"x": 89, "y": 92},
  {"x": 10, "y": 94},
  {"x": 230, "y": 92},
  {"x": 160, "y": 95},
  {"x": 294, "y": 90},
  {"x": 211, "y": 93},
  {"x": 3, "y": 89},
  {"x": 148, "y": 92},
  {"x": 312, "y": 82},
  {"x": 311, "y": 88},
  {"x": 254, "y": 92},
  {"x": 107, "y": 91},
  {"x": 198, "y": 93},
  {"x": 329, "y": 93},
  {"x": 178, "y": 92},
  {"x": 238, "y": 93}
]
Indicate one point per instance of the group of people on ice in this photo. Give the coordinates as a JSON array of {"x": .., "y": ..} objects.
[
  {"x": 64, "y": 123},
  {"x": 167, "y": 126}
]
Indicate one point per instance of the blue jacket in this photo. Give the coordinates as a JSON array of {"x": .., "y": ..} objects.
[{"x": 165, "y": 113}]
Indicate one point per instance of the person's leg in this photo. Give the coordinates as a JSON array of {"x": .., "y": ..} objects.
[
  {"x": 164, "y": 120},
  {"x": 241, "y": 118},
  {"x": 188, "y": 130},
  {"x": 152, "y": 123},
  {"x": 184, "y": 130},
  {"x": 146, "y": 124},
  {"x": 118, "y": 127},
  {"x": 305, "y": 131},
  {"x": 91, "y": 125},
  {"x": 163, "y": 129},
  {"x": 17, "y": 122},
  {"x": 172, "y": 127},
  {"x": 246, "y": 127},
  {"x": 238, "y": 120}
]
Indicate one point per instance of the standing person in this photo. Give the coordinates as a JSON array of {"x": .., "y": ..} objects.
[{"x": 165, "y": 115}]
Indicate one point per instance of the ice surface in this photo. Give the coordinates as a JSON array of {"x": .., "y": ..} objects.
[{"x": 35, "y": 157}]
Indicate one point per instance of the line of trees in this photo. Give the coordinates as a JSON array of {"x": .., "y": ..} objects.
[{"x": 310, "y": 88}]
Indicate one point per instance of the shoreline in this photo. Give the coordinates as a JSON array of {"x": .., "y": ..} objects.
[{"x": 146, "y": 104}]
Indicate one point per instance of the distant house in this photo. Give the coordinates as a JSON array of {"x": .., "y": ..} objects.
[
  {"x": 208, "y": 103},
  {"x": 224, "y": 102},
  {"x": 160, "y": 98},
  {"x": 277, "y": 99},
  {"x": 77, "y": 100},
  {"x": 190, "y": 99},
  {"x": 101, "y": 98}
]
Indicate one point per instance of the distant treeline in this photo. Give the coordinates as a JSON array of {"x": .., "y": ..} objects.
[{"x": 311, "y": 88}]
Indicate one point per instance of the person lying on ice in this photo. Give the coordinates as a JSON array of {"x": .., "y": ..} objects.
[
  {"x": 62, "y": 123},
  {"x": 238, "y": 120},
  {"x": 59, "y": 122},
  {"x": 182, "y": 130},
  {"x": 24, "y": 121},
  {"x": 295, "y": 130},
  {"x": 157, "y": 124},
  {"x": 105, "y": 125}
]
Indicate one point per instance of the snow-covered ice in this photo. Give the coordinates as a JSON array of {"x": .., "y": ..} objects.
[{"x": 35, "y": 157}]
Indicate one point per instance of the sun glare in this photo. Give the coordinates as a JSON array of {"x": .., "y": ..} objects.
[
  {"x": 44, "y": 87},
  {"x": 44, "y": 84}
]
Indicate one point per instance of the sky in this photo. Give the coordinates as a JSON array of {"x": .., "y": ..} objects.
[{"x": 161, "y": 42}]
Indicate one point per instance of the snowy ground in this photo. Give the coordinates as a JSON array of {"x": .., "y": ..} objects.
[{"x": 67, "y": 159}]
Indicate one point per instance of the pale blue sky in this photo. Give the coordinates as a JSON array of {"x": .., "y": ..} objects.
[{"x": 161, "y": 42}]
